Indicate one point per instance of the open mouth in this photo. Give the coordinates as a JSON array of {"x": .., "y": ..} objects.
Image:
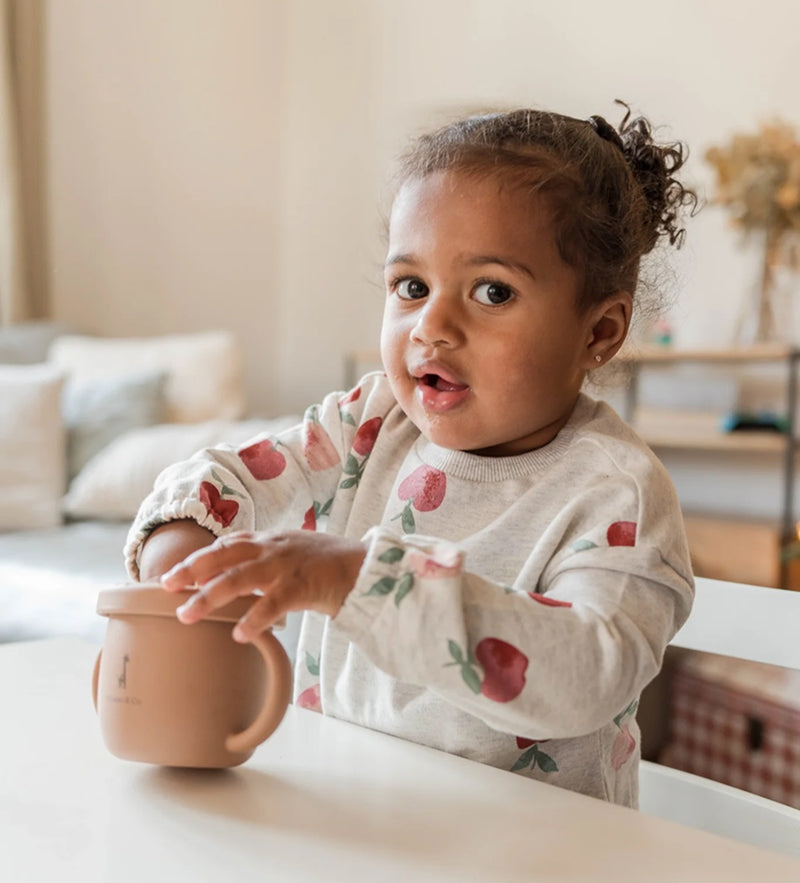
[
  {"x": 436, "y": 381},
  {"x": 439, "y": 393}
]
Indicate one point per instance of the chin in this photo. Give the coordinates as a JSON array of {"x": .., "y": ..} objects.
[{"x": 453, "y": 441}]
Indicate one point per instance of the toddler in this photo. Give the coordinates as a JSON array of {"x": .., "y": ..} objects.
[{"x": 490, "y": 562}]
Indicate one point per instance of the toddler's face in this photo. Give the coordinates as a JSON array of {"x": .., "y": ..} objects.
[{"x": 482, "y": 343}]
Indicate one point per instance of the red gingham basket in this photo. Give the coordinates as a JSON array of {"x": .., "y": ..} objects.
[{"x": 738, "y": 723}]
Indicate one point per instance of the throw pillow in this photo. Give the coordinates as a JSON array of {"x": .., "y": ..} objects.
[
  {"x": 97, "y": 411},
  {"x": 113, "y": 484},
  {"x": 27, "y": 342},
  {"x": 204, "y": 371},
  {"x": 32, "y": 449}
]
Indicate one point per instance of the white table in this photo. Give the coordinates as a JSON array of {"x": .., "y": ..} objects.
[{"x": 321, "y": 800}]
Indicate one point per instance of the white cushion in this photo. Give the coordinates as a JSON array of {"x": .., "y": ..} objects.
[
  {"x": 204, "y": 371},
  {"x": 115, "y": 481},
  {"x": 32, "y": 447}
]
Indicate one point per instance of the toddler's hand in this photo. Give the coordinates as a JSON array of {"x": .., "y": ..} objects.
[{"x": 298, "y": 570}]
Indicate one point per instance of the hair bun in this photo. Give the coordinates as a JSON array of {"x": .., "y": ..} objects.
[{"x": 654, "y": 167}]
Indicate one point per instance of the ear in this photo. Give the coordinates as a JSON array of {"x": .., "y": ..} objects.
[{"x": 609, "y": 322}]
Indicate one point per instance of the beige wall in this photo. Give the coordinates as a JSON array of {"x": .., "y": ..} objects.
[
  {"x": 220, "y": 163},
  {"x": 165, "y": 168}
]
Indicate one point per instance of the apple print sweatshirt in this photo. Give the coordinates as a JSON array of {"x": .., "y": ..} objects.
[{"x": 509, "y": 610}]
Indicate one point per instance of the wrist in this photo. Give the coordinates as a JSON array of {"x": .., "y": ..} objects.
[
  {"x": 168, "y": 545},
  {"x": 352, "y": 562}
]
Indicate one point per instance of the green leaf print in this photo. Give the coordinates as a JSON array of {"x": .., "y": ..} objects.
[
  {"x": 404, "y": 587},
  {"x": 471, "y": 678},
  {"x": 348, "y": 482},
  {"x": 407, "y": 520},
  {"x": 533, "y": 757},
  {"x": 391, "y": 556},
  {"x": 383, "y": 587},
  {"x": 582, "y": 545},
  {"x": 225, "y": 490},
  {"x": 468, "y": 673},
  {"x": 545, "y": 763},
  {"x": 312, "y": 664},
  {"x": 348, "y": 418},
  {"x": 326, "y": 508},
  {"x": 524, "y": 760},
  {"x": 455, "y": 652},
  {"x": 351, "y": 466},
  {"x": 630, "y": 710}
]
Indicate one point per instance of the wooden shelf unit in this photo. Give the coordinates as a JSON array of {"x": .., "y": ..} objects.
[{"x": 693, "y": 430}]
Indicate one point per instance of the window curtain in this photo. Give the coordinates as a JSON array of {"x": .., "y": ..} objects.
[{"x": 22, "y": 258}]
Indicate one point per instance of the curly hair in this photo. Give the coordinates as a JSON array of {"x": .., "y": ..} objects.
[{"x": 613, "y": 193}]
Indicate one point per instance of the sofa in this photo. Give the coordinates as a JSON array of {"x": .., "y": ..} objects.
[{"x": 86, "y": 424}]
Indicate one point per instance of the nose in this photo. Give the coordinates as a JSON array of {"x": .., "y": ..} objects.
[{"x": 438, "y": 323}]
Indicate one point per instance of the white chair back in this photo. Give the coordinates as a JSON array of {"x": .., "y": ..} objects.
[{"x": 747, "y": 622}]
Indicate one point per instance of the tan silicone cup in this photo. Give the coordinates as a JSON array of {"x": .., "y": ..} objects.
[
  {"x": 279, "y": 676},
  {"x": 163, "y": 716}
]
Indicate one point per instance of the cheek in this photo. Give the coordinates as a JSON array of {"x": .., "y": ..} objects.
[
  {"x": 522, "y": 371},
  {"x": 392, "y": 338}
]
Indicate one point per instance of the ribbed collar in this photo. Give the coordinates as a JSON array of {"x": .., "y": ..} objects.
[{"x": 474, "y": 467}]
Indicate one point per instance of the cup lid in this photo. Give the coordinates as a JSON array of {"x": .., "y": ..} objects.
[{"x": 150, "y": 599}]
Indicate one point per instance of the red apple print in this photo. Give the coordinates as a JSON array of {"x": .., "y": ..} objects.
[
  {"x": 522, "y": 742},
  {"x": 310, "y": 519},
  {"x": 263, "y": 459},
  {"x": 314, "y": 512},
  {"x": 363, "y": 444},
  {"x": 364, "y": 441},
  {"x": 318, "y": 448},
  {"x": 352, "y": 396},
  {"x": 310, "y": 699},
  {"x": 504, "y": 668},
  {"x": 223, "y": 511},
  {"x": 622, "y": 533},
  {"x": 623, "y": 748},
  {"x": 424, "y": 489},
  {"x": 547, "y": 601}
]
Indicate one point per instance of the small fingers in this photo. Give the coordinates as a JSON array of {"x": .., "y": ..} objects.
[
  {"x": 264, "y": 612},
  {"x": 235, "y": 582},
  {"x": 209, "y": 562}
]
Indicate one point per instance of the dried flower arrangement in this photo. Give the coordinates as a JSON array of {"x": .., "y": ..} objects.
[{"x": 758, "y": 180}]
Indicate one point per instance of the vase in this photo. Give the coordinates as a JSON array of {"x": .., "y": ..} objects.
[{"x": 764, "y": 314}]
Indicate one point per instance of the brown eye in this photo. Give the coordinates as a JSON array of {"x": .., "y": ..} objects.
[
  {"x": 492, "y": 294},
  {"x": 411, "y": 289}
]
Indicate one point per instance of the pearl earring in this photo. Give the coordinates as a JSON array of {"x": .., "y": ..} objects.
[{"x": 598, "y": 358}]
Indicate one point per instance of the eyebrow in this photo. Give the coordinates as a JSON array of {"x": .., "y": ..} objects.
[
  {"x": 477, "y": 261},
  {"x": 480, "y": 260},
  {"x": 399, "y": 259}
]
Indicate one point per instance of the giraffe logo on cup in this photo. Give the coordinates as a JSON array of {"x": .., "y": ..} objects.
[{"x": 122, "y": 680}]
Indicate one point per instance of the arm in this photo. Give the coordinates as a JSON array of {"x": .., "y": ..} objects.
[
  {"x": 548, "y": 665},
  {"x": 168, "y": 545},
  {"x": 278, "y": 483}
]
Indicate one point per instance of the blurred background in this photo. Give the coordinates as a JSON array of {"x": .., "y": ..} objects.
[{"x": 192, "y": 164}]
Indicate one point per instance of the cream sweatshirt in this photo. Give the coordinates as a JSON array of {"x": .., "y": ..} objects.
[{"x": 509, "y": 610}]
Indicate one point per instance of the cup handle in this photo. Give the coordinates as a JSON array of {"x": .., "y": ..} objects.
[
  {"x": 279, "y": 694},
  {"x": 96, "y": 678}
]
